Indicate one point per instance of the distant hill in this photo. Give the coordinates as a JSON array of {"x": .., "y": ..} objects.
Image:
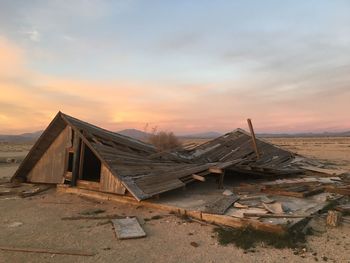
[
  {"x": 20, "y": 138},
  {"x": 136, "y": 134}
]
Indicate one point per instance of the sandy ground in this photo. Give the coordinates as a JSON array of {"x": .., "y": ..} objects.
[
  {"x": 168, "y": 239},
  {"x": 334, "y": 150}
]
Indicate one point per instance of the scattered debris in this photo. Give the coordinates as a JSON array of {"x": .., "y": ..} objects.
[
  {"x": 128, "y": 228},
  {"x": 275, "y": 208}
]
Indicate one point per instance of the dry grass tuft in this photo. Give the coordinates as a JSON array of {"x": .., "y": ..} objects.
[{"x": 164, "y": 141}]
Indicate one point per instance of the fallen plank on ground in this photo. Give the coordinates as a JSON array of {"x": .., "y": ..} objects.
[
  {"x": 35, "y": 191},
  {"x": 128, "y": 228},
  {"x": 113, "y": 216},
  {"x": 49, "y": 251},
  {"x": 274, "y": 215}
]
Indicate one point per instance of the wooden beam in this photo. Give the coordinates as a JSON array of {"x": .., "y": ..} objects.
[
  {"x": 275, "y": 215},
  {"x": 215, "y": 170},
  {"x": 76, "y": 159},
  {"x": 81, "y": 162},
  {"x": 198, "y": 177},
  {"x": 253, "y": 138},
  {"x": 49, "y": 251},
  {"x": 221, "y": 181}
]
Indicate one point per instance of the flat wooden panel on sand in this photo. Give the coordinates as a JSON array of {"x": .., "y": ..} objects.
[{"x": 128, "y": 228}]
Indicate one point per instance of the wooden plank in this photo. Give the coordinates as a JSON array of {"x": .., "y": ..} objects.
[
  {"x": 88, "y": 185},
  {"x": 76, "y": 158},
  {"x": 343, "y": 208},
  {"x": 81, "y": 162},
  {"x": 252, "y": 133},
  {"x": 286, "y": 192},
  {"x": 35, "y": 191},
  {"x": 48, "y": 251},
  {"x": 323, "y": 170},
  {"x": 109, "y": 183},
  {"x": 274, "y": 215},
  {"x": 128, "y": 228},
  {"x": 81, "y": 217},
  {"x": 338, "y": 190},
  {"x": 221, "y": 181},
  {"x": 220, "y": 206},
  {"x": 215, "y": 170},
  {"x": 198, "y": 177}
]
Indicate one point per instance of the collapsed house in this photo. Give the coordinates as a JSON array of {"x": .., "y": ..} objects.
[{"x": 88, "y": 160}]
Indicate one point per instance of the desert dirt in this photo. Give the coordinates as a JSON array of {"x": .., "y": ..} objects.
[{"x": 36, "y": 222}]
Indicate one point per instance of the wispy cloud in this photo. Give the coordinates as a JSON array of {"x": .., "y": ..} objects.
[{"x": 33, "y": 35}]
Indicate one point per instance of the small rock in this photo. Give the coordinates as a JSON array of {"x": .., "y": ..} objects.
[
  {"x": 15, "y": 224},
  {"x": 325, "y": 258},
  {"x": 194, "y": 244}
]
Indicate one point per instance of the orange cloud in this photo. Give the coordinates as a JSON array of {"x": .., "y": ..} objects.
[{"x": 30, "y": 99}]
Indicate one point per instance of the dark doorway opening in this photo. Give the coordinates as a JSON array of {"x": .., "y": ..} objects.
[
  {"x": 91, "y": 166},
  {"x": 70, "y": 162}
]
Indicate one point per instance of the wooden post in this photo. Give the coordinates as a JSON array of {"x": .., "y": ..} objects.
[
  {"x": 253, "y": 138},
  {"x": 333, "y": 218},
  {"x": 221, "y": 180},
  {"x": 76, "y": 159},
  {"x": 81, "y": 162}
]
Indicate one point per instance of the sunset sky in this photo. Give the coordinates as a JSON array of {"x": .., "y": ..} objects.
[{"x": 184, "y": 66}]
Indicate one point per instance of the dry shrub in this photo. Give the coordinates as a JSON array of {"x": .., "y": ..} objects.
[{"x": 164, "y": 140}]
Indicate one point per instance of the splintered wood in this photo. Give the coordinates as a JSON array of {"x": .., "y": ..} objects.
[
  {"x": 128, "y": 228},
  {"x": 221, "y": 205},
  {"x": 333, "y": 218}
]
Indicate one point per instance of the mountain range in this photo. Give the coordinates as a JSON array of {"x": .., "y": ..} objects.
[{"x": 141, "y": 135}]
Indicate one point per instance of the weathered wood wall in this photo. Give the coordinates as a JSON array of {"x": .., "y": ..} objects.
[
  {"x": 109, "y": 183},
  {"x": 51, "y": 167}
]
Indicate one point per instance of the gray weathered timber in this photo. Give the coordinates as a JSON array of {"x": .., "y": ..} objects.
[
  {"x": 128, "y": 228},
  {"x": 220, "y": 206}
]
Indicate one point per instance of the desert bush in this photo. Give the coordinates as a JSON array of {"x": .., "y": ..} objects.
[{"x": 164, "y": 140}]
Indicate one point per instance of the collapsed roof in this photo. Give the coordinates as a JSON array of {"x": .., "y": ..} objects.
[{"x": 144, "y": 172}]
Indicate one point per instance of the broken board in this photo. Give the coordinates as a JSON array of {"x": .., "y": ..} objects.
[
  {"x": 220, "y": 206},
  {"x": 128, "y": 228}
]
